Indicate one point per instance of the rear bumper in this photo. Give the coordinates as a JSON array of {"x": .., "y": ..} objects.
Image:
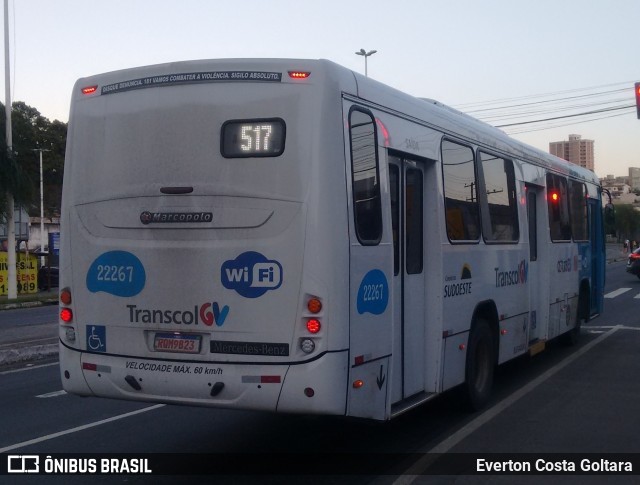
[
  {"x": 633, "y": 268},
  {"x": 239, "y": 386}
]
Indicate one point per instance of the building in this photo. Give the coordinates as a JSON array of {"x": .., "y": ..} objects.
[
  {"x": 634, "y": 178},
  {"x": 576, "y": 150},
  {"x": 619, "y": 187}
]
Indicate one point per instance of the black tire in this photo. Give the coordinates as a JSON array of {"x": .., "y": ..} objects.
[{"x": 479, "y": 366}]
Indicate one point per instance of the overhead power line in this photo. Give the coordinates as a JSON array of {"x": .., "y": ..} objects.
[
  {"x": 464, "y": 106},
  {"x": 546, "y": 109},
  {"x": 528, "y": 129},
  {"x": 566, "y": 116}
]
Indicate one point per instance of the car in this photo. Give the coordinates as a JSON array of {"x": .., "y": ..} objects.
[
  {"x": 47, "y": 277},
  {"x": 633, "y": 263}
]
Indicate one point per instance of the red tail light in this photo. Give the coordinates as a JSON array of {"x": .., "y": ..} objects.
[
  {"x": 313, "y": 325},
  {"x": 66, "y": 315}
]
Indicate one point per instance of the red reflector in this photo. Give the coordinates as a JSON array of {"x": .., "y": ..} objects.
[
  {"x": 88, "y": 366},
  {"x": 299, "y": 74},
  {"x": 359, "y": 360},
  {"x": 66, "y": 315},
  {"x": 270, "y": 379},
  {"x": 313, "y": 325},
  {"x": 89, "y": 89}
]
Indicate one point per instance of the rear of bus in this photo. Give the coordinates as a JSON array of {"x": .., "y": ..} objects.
[{"x": 204, "y": 223}]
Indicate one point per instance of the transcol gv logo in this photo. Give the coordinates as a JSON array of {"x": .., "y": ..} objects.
[
  {"x": 207, "y": 314},
  {"x": 251, "y": 274},
  {"x": 515, "y": 276}
]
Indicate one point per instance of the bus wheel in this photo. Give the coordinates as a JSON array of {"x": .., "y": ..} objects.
[{"x": 479, "y": 366}]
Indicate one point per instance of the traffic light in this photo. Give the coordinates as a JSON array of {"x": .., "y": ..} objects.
[{"x": 637, "y": 90}]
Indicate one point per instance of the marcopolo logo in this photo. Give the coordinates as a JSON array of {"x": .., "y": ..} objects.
[
  {"x": 147, "y": 217},
  {"x": 251, "y": 274}
]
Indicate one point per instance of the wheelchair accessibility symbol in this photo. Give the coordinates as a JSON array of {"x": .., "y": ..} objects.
[{"x": 97, "y": 338}]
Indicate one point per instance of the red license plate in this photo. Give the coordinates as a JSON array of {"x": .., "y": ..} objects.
[{"x": 177, "y": 342}]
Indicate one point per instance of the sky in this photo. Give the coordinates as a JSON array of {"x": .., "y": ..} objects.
[{"x": 459, "y": 52}]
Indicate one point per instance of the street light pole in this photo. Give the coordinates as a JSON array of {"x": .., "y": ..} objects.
[
  {"x": 41, "y": 205},
  {"x": 365, "y": 54},
  {"x": 12, "y": 284}
]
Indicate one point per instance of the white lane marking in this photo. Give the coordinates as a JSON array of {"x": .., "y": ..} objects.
[
  {"x": 609, "y": 327},
  {"x": 413, "y": 472},
  {"x": 28, "y": 367},
  {"x": 637, "y": 296},
  {"x": 79, "y": 428},
  {"x": 52, "y": 394},
  {"x": 617, "y": 292}
]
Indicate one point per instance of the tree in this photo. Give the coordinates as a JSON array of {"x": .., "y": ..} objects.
[
  {"x": 20, "y": 170},
  {"x": 627, "y": 221},
  {"x": 31, "y": 130},
  {"x": 15, "y": 178}
]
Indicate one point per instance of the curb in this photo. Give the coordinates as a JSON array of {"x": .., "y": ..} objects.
[
  {"x": 13, "y": 356},
  {"x": 28, "y": 304}
]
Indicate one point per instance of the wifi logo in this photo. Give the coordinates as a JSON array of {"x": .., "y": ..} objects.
[{"x": 251, "y": 274}]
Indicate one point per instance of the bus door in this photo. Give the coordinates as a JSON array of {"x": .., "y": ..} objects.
[
  {"x": 535, "y": 214},
  {"x": 406, "y": 181},
  {"x": 370, "y": 273},
  {"x": 596, "y": 237}
]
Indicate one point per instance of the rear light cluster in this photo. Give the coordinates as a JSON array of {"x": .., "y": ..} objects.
[
  {"x": 299, "y": 74},
  {"x": 634, "y": 256},
  {"x": 313, "y": 324},
  {"x": 89, "y": 89},
  {"x": 66, "y": 313}
]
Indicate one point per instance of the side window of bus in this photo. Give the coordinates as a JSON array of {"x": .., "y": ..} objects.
[
  {"x": 578, "y": 207},
  {"x": 558, "y": 204},
  {"x": 460, "y": 192},
  {"x": 365, "y": 177},
  {"x": 500, "y": 191},
  {"x": 394, "y": 191}
]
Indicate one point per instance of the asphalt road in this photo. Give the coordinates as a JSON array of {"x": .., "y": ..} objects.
[{"x": 582, "y": 399}]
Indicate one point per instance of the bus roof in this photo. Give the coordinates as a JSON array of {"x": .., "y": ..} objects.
[{"x": 425, "y": 111}]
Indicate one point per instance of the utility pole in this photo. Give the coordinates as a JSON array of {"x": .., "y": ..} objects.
[
  {"x": 11, "y": 227},
  {"x": 41, "y": 205}
]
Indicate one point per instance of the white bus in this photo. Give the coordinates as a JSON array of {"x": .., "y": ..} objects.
[{"x": 290, "y": 236}]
